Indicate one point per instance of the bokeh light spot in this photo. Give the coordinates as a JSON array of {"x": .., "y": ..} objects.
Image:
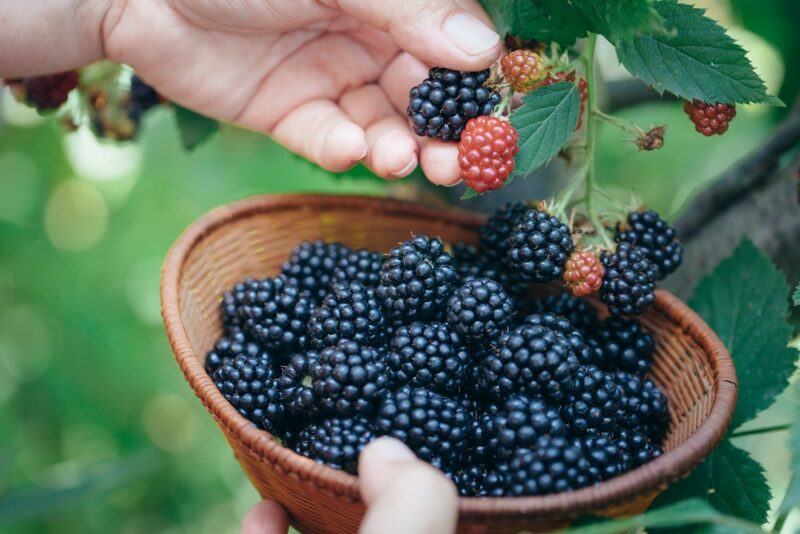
[
  {"x": 76, "y": 216},
  {"x": 170, "y": 422},
  {"x": 25, "y": 342},
  {"x": 20, "y": 187}
]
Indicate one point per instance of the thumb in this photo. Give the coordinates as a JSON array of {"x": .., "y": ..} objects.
[
  {"x": 449, "y": 33},
  {"x": 404, "y": 494}
]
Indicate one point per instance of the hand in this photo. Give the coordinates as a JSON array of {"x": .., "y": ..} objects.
[
  {"x": 403, "y": 495},
  {"x": 328, "y": 79}
]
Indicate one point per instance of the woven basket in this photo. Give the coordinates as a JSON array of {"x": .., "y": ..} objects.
[{"x": 254, "y": 237}]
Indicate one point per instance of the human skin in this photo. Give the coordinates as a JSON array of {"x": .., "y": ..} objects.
[{"x": 328, "y": 79}]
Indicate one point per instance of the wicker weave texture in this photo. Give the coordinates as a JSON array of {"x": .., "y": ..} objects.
[{"x": 255, "y": 236}]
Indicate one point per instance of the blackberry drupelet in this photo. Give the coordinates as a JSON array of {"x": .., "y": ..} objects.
[
  {"x": 228, "y": 347},
  {"x": 530, "y": 359},
  {"x": 538, "y": 247},
  {"x": 349, "y": 311},
  {"x": 494, "y": 234},
  {"x": 417, "y": 278},
  {"x": 312, "y": 264},
  {"x": 637, "y": 449},
  {"x": 607, "y": 459},
  {"x": 518, "y": 423},
  {"x": 593, "y": 403},
  {"x": 629, "y": 281},
  {"x": 442, "y": 104},
  {"x": 435, "y": 427},
  {"x": 562, "y": 325},
  {"x": 621, "y": 345},
  {"x": 581, "y": 315},
  {"x": 294, "y": 387},
  {"x": 644, "y": 406},
  {"x": 246, "y": 382},
  {"x": 428, "y": 355},
  {"x": 273, "y": 311},
  {"x": 335, "y": 441},
  {"x": 349, "y": 378},
  {"x": 554, "y": 465},
  {"x": 360, "y": 265},
  {"x": 471, "y": 264},
  {"x": 646, "y": 230},
  {"x": 480, "y": 310}
]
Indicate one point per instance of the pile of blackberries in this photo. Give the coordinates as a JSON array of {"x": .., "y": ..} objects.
[{"x": 440, "y": 347}]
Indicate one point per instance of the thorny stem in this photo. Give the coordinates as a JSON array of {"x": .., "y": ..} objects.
[
  {"x": 504, "y": 107},
  {"x": 622, "y": 124}
]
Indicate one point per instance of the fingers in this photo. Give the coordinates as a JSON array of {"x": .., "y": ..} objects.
[
  {"x": 448, "y": 33},
  {"x": 321, "y": 132},
  {"x": 440, "y": 162},
  {"x": 402, "y": 493},
  {"x": 266, "y": 517}
]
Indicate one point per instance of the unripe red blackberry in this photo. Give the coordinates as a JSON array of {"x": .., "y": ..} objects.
[
  {"x": 486, "y": 153},
  {"x": 44, "y": 92},
  {"x": 523, "y": 69},
  {"x": 709, "y": 119},
  {"x": 583, "y": 88},
  {"x": 583, "y": 273}
]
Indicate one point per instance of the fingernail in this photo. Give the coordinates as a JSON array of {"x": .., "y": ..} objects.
[
  {"x": 470, "y": 34},
  {"x": 405, "y": 171},
  {"x": 363, "y": 152},
  {"x": 386, "y": 450}
]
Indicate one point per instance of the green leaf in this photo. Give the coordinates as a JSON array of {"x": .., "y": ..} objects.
[
  {"x": 468, "y": 194},
  {"x": 681, "y": 514},
  {"x": 545, "y": 123},
  {"x": 796, "y": 297},
  {"x": 543, "y": 20},
  {"x": 792, "y": 498},
  {"x": 194, "y": 128},
  {"x": 618, "y": 19},
  {"x": 696, "y": 60},
  {"x": 744, "y": 302}
]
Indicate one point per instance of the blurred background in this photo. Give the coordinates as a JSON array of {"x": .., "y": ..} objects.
[{"x": 98, "y": 430}]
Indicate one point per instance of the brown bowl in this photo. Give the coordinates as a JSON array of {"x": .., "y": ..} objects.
[{"x": 253, "y": 238}]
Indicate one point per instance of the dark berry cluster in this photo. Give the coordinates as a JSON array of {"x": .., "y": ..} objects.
[
  {"x": 446, "y": 351},
  {"x": 648, "y": 231}
]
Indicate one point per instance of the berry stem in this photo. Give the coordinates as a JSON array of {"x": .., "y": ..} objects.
[
  {"x": 504, "y": 107},
  {"x": 622, "y": 124}
]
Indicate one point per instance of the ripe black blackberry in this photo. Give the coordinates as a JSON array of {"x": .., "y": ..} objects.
[
  {"x": 646, "y": 230},
  {"x": 359, "y": 265},
  {"x": 428, "y": 355},
  {"x": 593, "y": 402},
  {"x": 477, "y": 481},
  {"x": 442, "y": 104},
  {"x": 480, "y": 310},
  {"x": 417, "y": 278},
  {"x": 349, "y": 378},
  {"x": 247, "y": 383},
  {"x": 538, "y": 247},
  {"x": 629, "y": 281},
  {"x": 606, "y": 456},
  {"x": 228, "y": 347},
  {"x": 294, "y": 387},
  {"x": 435, "y": 427},
  {"x": 45, "y": 93},
  {"x": 335, "y": 441},
  {"x": 273, "y": 311},
  {"x": 530, "y": 359},
  {"x": 636, "y": 448},
  {"x": 621, "y": 345},
  {"x": 644, "y": 407},
  {"x": 145, "y": 96},
  {"x": 561, "y": 324},
  {"x": 581, "y": 315},
  {"x": 494, "y": 234},
  {"x": 312, "y": 264},
  {"x": 472, "y": 263},
  {"x": 518, "y": 423},
  {"x": 349, "y": 311},
  {"x": 554, "y": 465}
]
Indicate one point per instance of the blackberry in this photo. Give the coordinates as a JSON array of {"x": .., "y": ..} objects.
[
  {"x": 45, "y": 93},
  {"x": 486, "y": 153},
  {"x": 359, "y": 265},
  {"x": 335, "y": 441},
  {"x": 228, "y": 347},
  {"x": 480, "y": 310},
  {"x": 471, "y": 264},
  {"x": 710, "y": 118},
  {"x": 428, "y": 355},
  {"x": 593, "y": 403},
  {"x": 562, "y": 325},
  {"x": 273, "y": 311},
  {"x": 621, "y": 344},
  {"x": 442, "y": 104},
  {"x": 581, "y": 315},
  {"x": 629, "y": 281},
  {"x": 538, "y": 247},
  {"x": 435, "y": 427},
  {"x": 606, "y": 456},
  {"x": 349, "y": 311},
  {"x": 312, "y": 264},
  {"x": 647, "y": 231},
  {"x": 417, "y": 277},
  {"x": 246, "y": 382},
  {"x": 637, "y": 449},
  {"x": 477, "y": 481},
  {"x": 349, "y": 378},
  {"x": 143, "y": 95},
  {"x": 644, "y": 406},
  {"x": 494, "y": 234},
  {"x": 530, "y": 359},
  {"x": 518, "y": 423},
  {"x": 554, "y": 465},
  {"x": 294, "y": 387}
]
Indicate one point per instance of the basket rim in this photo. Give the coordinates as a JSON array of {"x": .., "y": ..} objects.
[{"x": 656, "y": 475}]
